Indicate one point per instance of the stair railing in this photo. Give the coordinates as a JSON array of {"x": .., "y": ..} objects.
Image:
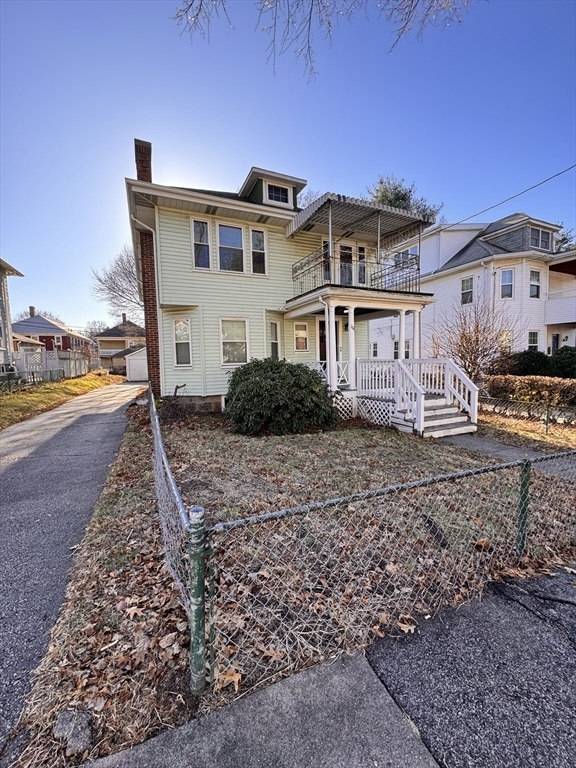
[
  {"x": 409, "y": 396},
  {"x": 461, "y": 389}
]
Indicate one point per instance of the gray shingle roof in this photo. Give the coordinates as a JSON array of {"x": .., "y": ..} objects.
[{"x": 122, "y": 330}]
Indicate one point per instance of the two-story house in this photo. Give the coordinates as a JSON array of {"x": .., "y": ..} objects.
[
  {"x": 115, "y": 341},
  {"x": 511, "y": 264},
  {"x": 229, "y": 276}
]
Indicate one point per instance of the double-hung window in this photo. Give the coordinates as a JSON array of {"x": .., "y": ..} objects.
[
  {"x": 301, "y": 337},
  {"x": 182, "y": 342},
  {"x": 374, "y": 349},
  {"x": 467, "y": 290},
  {"x": 231, "y": 250},
  {"x": 234, "y": 340},
  {"x": 274, "y": 340},
  {"x": 534, "y": 284},
  {"x": 200, "y": 232},
  {"x": 539, "y": 239},
  {"x": 258, "y": 244},
  {"x": 533, "y": 340},
  {"x": 506, "y": 283}
]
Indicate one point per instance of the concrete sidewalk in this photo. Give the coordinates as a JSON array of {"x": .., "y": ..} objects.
[
  {"x": 52, "y": 468},
  {"x": 335, "y": 715}
]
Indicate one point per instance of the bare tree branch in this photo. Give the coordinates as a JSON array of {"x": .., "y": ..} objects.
[
  {"x": 476, "y": 336},
  {"x": 292, "y": 24},
  {"x": 117, "y": 286}
]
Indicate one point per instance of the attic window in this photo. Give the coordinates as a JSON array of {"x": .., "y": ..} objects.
[
  {"x": 539, "y": 239},
  {"x": 278, "y": 194}
]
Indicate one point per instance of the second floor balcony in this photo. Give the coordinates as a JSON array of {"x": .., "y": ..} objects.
[{"x": 356, "y": 266}]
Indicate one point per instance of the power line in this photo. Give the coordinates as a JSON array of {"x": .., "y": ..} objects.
[{"x": 512, "y": 197}]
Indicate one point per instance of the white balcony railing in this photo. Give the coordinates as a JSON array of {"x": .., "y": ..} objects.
[{"x": 561, "y": 307}]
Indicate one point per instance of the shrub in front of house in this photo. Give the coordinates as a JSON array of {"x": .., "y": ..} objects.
[
  {"x": 563, "y": 363},
  {"x": 278, "y": 397},
  {"x": 534, "y": 389},
  {"x": 530, "y": 362}
]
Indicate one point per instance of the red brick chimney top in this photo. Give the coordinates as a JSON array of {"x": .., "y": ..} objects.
[{"x": 143, "y": 153}]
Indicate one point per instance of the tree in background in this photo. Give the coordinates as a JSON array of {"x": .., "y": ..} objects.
[
  {"x": 476, "y": 336},
  {"x": 291, "y": 24},
  {"x": 389, "y": 190},
  {"x": 566, "y": 240},
  {"x": 307, "y": 197},
  {"x": 94, "y": 327},
  {"x": 117, "y": 286},
  {"x": 25, "y": 314}
]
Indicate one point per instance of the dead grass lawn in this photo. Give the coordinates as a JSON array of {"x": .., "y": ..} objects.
[{"x": 527, "y": 433}]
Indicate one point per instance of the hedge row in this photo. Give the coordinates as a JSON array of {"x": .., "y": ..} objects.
[{"x": 534, "y": 389}]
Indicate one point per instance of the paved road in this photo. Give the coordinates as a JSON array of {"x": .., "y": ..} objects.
[
  {"x": 492, "y": 684},
  {"x": 52, "y": 469}
]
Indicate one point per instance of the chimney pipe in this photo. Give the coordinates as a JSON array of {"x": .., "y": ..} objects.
[
  {"x": 32, "y": 311},
  {"x": 143, "y": 154},
  {"x": 123, "y": 317}
]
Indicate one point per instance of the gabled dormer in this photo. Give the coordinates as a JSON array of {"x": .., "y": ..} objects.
[{"x": 270, "y": 188}]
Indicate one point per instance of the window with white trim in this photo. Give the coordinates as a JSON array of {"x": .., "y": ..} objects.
[
  {"x": 274, "y": 340},
  {"x": 230, "y": 248},
  {"x": 540, "y": 239},
  {"x": 506, "y": 283},
  {"x": 58, "y": 340},
  {"x": 201, "y": 238},
  {"x": 182, "y": 341},
  {"x": 534, "y": 284},
  {"x": 467, "y": 290},
  {"x": 234, "y": 340},
  {"x": 258, "y": 245},
  {"x": 533, "y": 340},
  {"x": 374, "y": 349},
  {"x": 301, "y": 337},
  {"x": 406, "y": 349}
]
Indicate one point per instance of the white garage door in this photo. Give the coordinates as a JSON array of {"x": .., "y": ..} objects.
[{"x": 136, "y": 369}]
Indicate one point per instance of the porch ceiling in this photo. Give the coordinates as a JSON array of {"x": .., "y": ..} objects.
[
  {"x": 365, "y": 301},
  {"x": 357, "y": 219}
]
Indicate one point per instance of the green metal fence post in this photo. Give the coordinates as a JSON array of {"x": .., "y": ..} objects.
[
  {"x": 547, "y": 416},
  {"x": 196, "y": 552},
  {"x": 523, "y": 507}
]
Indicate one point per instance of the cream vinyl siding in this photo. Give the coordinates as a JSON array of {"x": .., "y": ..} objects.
[{"x": 214, "y": 294}]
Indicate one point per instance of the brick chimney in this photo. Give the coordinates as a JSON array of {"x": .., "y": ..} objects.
[
  {"x": 123, "y": 317},
  {"x": 32, "y": 311},
  {"x": 143, "y": 152}
]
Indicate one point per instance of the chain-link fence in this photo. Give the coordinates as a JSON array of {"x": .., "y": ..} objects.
[
  {"x": 521, "y": 409},
  {"x": 280, "y": 591}
]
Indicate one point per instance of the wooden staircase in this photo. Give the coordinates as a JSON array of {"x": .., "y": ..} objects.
[{"x": 440, "y": 419}]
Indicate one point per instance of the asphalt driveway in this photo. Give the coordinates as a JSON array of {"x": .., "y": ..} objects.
[{"x": 52, "y": 468}]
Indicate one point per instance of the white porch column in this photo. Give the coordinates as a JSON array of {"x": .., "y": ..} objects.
[
  {"x": 417, "y": 352},
  {"x": 332, "y": 358},
  {"x": 402, "y": 335},
  {"x": 351, "y": 349}
]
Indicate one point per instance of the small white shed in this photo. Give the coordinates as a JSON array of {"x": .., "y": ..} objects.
[{"x": 137, "y": 366}]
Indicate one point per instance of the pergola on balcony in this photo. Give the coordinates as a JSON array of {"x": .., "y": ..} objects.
[
  {"x": 340, "y": 262},
  {"x": 355, "y": 272}
]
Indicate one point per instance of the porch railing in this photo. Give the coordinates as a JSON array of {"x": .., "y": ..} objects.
[
  {"x": 443, "y": 377},
  {"x": 356, "y": 266},
  {"x": 322, "y": 368},
  {"x": 375, "y": 378}
]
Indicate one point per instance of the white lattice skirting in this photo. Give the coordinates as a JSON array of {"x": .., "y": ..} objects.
[
  {"x": 375, "y": 410},
  {"x": 345, "y": 407}
]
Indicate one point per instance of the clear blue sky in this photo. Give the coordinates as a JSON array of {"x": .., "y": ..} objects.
[{"x": 472, "y": 114}]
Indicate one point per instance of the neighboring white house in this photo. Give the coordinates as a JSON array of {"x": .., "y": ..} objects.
[
  {"x": 229, "y": 276},
  {"x": 6, "y": 342},
  {"x": 511, "y": 263}
]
